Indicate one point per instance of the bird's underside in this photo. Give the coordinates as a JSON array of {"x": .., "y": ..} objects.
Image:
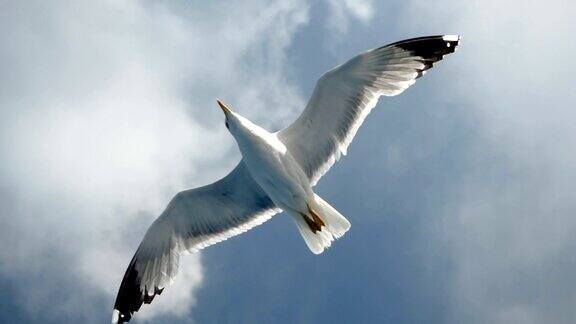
[{"x": 253, "y": 192}]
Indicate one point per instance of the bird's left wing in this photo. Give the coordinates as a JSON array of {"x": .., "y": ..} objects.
[
  {"x": 193, "y": 220},
  {"x": 344, "y": 96}
]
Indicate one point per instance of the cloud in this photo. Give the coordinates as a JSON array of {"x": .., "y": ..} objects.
[
  {"x": 107, "y": 111},
  {"x": 509, "y": 220},
  {"x": 342, "y": 12}
]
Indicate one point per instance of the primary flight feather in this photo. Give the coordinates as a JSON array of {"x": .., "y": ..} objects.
[{"x": 278, "y": 170}]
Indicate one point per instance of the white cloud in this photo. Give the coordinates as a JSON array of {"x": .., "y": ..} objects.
[
  {"x": 341, "y": 12},
  {"x": 510, "y": 224},
  {"x": 108, "y": 110}
]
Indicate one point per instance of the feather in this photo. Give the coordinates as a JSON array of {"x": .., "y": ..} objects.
[{"x": 345, "y": 95}]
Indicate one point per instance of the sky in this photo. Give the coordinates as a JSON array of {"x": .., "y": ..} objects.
[{"x": 460, "y": 191}]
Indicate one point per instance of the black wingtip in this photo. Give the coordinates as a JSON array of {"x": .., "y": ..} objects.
[
  {"x": 447, "y": 41},
  {"x": 430, "y": 48},
  {"x": 130, "y": 297}
]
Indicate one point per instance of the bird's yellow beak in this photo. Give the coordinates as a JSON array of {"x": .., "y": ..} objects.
[{"x": 225, "y": 109}]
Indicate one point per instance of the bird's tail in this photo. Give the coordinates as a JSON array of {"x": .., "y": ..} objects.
[{"x": 321, "y": 225}]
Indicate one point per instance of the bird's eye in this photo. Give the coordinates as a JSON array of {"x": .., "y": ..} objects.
[{"x": 227, "y": 124}]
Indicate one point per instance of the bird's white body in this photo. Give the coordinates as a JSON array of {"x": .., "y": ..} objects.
[
  {"x": 278, "y": 170},
  {"x": 271, "y": 165}
]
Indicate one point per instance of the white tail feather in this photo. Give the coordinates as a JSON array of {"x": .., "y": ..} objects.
[
  {"x": 336, "y": 223},
  {"x": 336, "y": 226}
]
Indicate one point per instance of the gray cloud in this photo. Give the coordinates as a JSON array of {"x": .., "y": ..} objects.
[
  {"x": 342, "y": 12},
  {"x": 509, "y": 221},
  {"x": 108, "y": 110},
  {"x": 460, "y": 191}
]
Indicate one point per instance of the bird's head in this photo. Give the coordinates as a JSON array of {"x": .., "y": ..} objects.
[
  {"x": 240, "y": 127},
  {"x": 235, "y": 123},
  {"x": 231, "y": 118}
]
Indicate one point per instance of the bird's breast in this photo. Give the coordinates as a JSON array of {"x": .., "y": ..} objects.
[{"x": 277, "y": 172}]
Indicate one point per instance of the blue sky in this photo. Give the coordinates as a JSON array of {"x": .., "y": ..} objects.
[{"x": 460, "y": 190}]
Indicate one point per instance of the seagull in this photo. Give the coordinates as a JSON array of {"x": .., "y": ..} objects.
[{"x": 278, "y": 170}]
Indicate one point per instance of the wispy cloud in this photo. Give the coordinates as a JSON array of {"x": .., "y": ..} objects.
[
  {"x": 107, "y": 111},
  {"x": 342, "y": 12},
  {"x": 509, "y": 223}
]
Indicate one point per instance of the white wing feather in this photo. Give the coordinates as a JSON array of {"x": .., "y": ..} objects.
[
  {"x": 344, "y": 96},
  {"x": 193, "y": 220},
  {"x": 200, "y": 217}
]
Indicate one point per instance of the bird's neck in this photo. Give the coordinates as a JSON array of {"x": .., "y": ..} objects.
[{"x": 252, "y": 138}]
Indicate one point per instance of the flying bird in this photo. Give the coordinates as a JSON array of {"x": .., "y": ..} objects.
[{"x": 278, "y": 170}]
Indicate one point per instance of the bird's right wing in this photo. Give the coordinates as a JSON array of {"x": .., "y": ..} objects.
[
  {"x": 193, "y": 220},
  {"x": 344, "y": 96}
]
